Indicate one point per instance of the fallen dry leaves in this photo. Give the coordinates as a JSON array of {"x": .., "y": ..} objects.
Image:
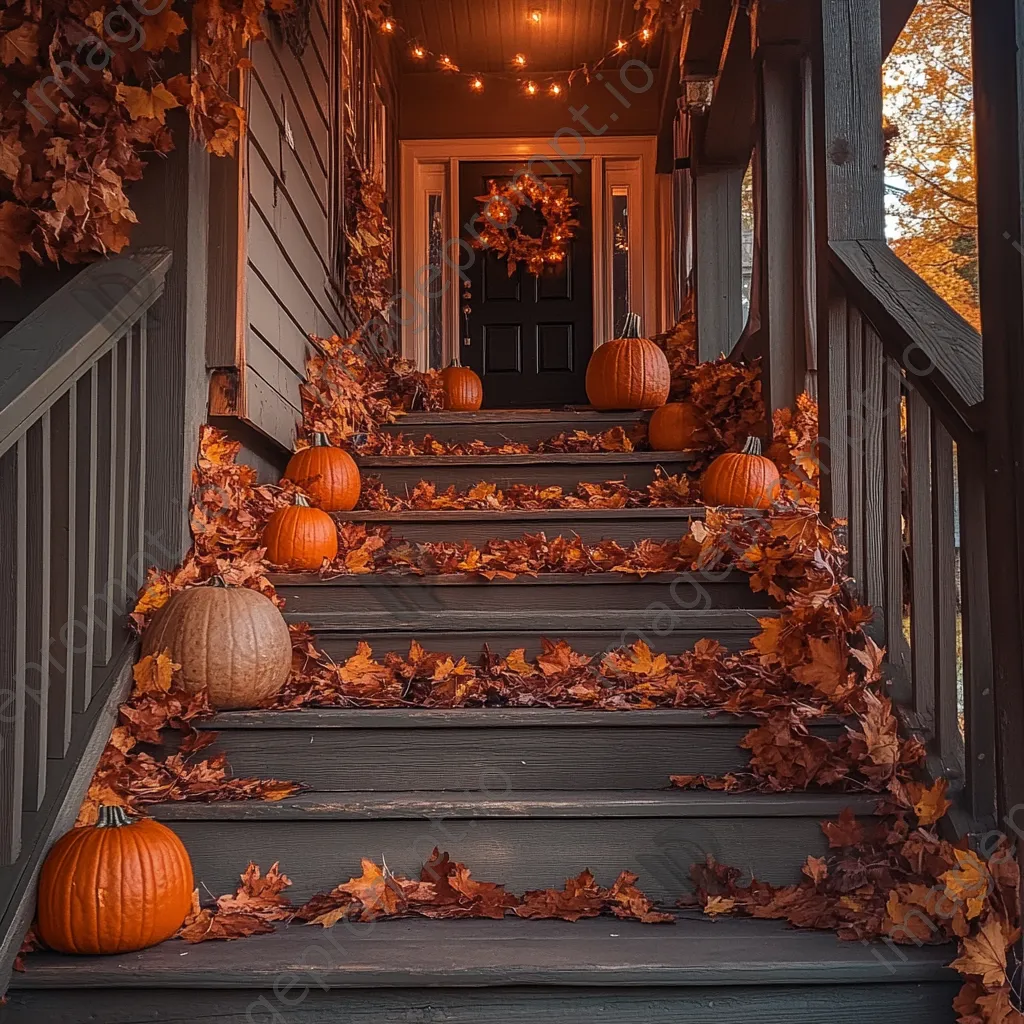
[
  {"x": 615, "y": 439},
  {"x": 253, "y": 909}
]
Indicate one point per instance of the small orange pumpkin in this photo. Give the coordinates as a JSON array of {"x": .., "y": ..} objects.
[
  {"x": 120, "y": 886},
  {"x": 463, "y": 389},
  {"x": 675, "y": 427},
  {"x": 745, "y": 479},
  {"x": 328, "y": 475},
  {"x": 300, "y": 537},
  {"x": 628, "y": 372}
]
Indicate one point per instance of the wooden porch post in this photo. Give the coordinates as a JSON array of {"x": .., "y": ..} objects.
[
  {"x": 998, "y": 27},
  {"x": 850, "y": 166}
]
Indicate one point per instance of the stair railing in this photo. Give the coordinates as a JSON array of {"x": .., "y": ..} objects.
[
  {"x": 901, "y": 404},
  {"x": 77, "y": 430}
]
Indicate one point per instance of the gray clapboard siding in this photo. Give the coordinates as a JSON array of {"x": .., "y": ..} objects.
[{"x": 271, "y": 319}]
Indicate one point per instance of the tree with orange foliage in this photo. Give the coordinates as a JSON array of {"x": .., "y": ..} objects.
[{"x": 929, "y": 104}]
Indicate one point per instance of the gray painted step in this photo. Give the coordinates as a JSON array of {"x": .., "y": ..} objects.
[
  {"x": 497, "y": 426},
  {"x": 491, "y": 749},
  {"x": 510, "y": 971},
  {"x": 402, "y": 473},
  {"x": 523, "y": 839},
  {"x": 385, "y": 601},
  {"x": 627, "y": 526}
]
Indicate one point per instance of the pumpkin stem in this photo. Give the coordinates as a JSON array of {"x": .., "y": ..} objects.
[
  {"x": 112, "y": 817},
  {"x": 319, "y": 440},
  {"x": 216, "y": 581},
  {"x": 301, "y": 501},
  {"x": 631, "y": 328},
  {"x": 753, "y": 446}
]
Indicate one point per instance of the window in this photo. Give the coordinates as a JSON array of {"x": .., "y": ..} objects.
[
  {"x": 619, "y": 257},
  {"x": 435, "y": 281}
]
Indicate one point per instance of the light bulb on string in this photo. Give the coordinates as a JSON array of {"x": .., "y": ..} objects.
[
  {"x": 387, "y": 25},
  {"x": 477, "y": 85},
  {"x": 536, "y": 17},
  {"x": 555, "y": 90},
  {"x": 519, "y": 60},
  {"x": 531, "y": 88},
  {"x": 445, "y": 63},
  {"x": 417, "y": 52},
  {"x": 645, "y": 34},
  {"x": 621, "y": 45}
]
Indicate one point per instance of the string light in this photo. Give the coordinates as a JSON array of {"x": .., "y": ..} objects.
[
  {"x": 645, "y": 34},
  {"x": 477, "y": 85},
  {"x": 621, "y": 45},
  {"x": 556, "y": 89},
  {"x": 519, "y": 60},
  {"x": 531, "y": 88},
  {"x": 536, "y": 17},
  {"x": 418, "y": 52},
  {"x": 445, "y": 63},
  {"x": 387, "y": 25}
]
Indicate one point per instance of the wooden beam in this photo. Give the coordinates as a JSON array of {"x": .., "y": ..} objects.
[
  {"x": 998, "y": 38},
  {"x": 718, "y": 261},
  {"x": 895, "y": 15},
  {"x": 728, "y": 135},
  {"x": 704, "y": 34}
]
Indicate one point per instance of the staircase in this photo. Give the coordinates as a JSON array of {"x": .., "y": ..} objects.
[{"x": 523, "y": 796}]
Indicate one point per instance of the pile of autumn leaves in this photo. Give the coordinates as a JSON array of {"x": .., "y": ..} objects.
[{"x": 83, "y": 102}]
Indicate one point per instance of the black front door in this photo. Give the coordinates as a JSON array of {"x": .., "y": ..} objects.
[{"x": 530, "y": 338}]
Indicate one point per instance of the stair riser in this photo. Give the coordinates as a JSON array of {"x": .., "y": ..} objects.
[
  {"x": 737, "y": 1004},
  {"x": 387, "y": 603},
  {"x": 402, "y": 479},
  {"x": 522, "y": 853},
  {"x": 470, "y": 645},
  {"x": 497, "y": 428},
  {"x": 478, "y": 532},
  {"x": 496, "y": 761}
]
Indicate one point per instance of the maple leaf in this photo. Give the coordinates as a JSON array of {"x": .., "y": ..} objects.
[
  {"x": 20, "y": 45},
  {"x": 827, "y": 670},
  {"x": 716, "y": 906},
  {"x": 929, "y": 802},
  {"x": 581, "y": 897},
  {"x": 984, "y": 954},
  {"x": 377, "y": 891},
  {"x": 154, "y": 674},
  {"x": 141, "y": 102},
  {"x": 969, "y": 882}
]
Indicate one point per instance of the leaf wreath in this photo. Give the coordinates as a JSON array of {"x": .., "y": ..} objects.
[{"x": 499, "y": 231}]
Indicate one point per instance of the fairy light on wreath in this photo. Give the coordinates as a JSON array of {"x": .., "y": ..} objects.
[{"x": 499, "y": 231}]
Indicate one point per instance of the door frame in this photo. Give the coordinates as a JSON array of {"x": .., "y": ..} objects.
[{"x": 621, "y": 160}]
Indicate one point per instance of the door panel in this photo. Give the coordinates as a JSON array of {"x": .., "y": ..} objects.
[{"x": 530, "y": 338}]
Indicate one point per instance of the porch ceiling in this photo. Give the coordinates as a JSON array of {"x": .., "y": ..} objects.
[{"x": 484, "y": 35}]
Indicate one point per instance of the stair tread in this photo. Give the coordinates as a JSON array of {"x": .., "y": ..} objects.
[
  {"x": 555, "y": 515},
  {"x": 667, "y": 803},
  {"x": 409, "y": 579},
  {"x": 531, "y": 459},
  {"x": 481, "y": 718},
  {"x": 419, "y": 953},
  {"x": 511, "y": 417}
]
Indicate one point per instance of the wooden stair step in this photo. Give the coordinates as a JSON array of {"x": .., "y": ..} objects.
[
  {"x": 627, "y": 526},
  {"x": 400, "y": 474},
  {"x": 387, "y": 601},
  {"x": 498, "y": 426},
  {"x": 494, "y": 750},
  {"x": 523, "y": 839},
  {"x": 598, "y": 971}
]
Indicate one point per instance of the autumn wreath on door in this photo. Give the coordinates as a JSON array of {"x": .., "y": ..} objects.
[{"x": 498, "y": 230}]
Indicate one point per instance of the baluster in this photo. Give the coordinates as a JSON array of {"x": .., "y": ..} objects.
[
  {"x": 856, "y": 423},
  {"x": 120, "y": 589},
  {"x": 82, "y": 631},
  {"x": 922, "y": 566},
  {"x": 876, "y": 529},
  {"x": 894, "y": 598},
  {"x": 976, "y": 631},
  {"x": 36, "y": 572},
  {"x": 947, "y": 726},
  {"x": 12, "y": 705},
  {"x": 133, "y": 523},
  {"x": 63, "y": 555},
  {"x": 106, "y": 447},
  {"x": 143, "y": 435},
  {"x": 837, "y": 484}
]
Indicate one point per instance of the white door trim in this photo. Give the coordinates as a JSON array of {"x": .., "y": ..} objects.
[{"x": 647, "y": 275}]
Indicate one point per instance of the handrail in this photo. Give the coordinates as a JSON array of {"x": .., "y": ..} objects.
[
  {"x": 41, "y": 354},
  {"x": 80, "y": 430},
  {"x": 933, "y": 344}
]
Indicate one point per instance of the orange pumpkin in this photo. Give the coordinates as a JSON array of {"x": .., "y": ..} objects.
[
  {"x": 675, "y": 427},
  {"x": 743, "y": 479},
  {"x": 463, "y": 389},
  {"x": 231, "y": 641},
  {"x": 120, "y": 886},
  {"x": 629, "y": 372},
  {"x": 300, "y": 537},
  {"x": 328, "y": 475}
]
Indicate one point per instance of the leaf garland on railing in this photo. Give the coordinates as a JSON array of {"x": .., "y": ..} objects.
[{"x": 83, "y": 102}]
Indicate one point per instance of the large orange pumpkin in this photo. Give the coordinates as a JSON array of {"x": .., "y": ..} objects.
[
  {"x": 629, "y": 372},
  {"x": 120, "y": 886},
  {"x": 300, "y": 537},
  {"x": 463, "y": 389},
  {"x": 675, "y": 427},
  {"x": 328, "y": 475},
  {"x": 233, "y": 641},
  {"x": 743, "y": 479}
]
